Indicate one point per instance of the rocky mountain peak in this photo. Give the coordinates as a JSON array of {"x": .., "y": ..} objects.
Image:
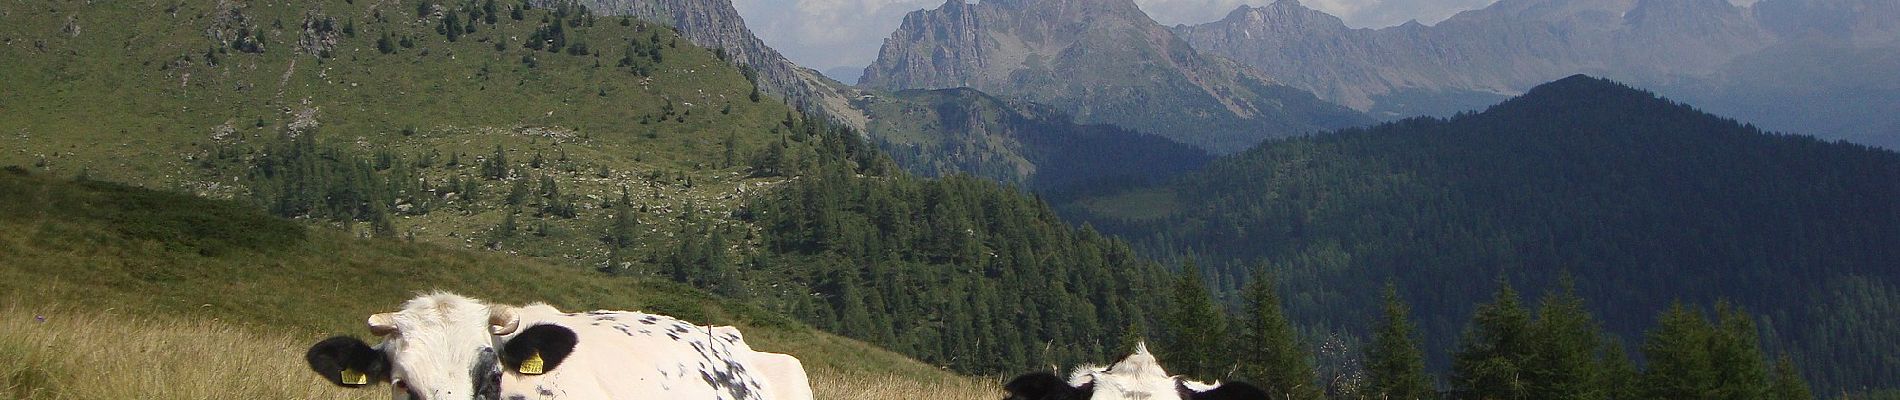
[{"x": 1103, "y": 61}]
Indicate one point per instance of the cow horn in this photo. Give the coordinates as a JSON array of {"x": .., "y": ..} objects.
[
  {"x": 382, "y": 324},
  {"x": 502, "y": 320}
]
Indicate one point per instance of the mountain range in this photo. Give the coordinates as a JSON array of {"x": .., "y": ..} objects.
[
  {"x": 1725, "y": 57},
  {"x": 1102, "y": 61},
  {"x": 1636, "y": 201}
]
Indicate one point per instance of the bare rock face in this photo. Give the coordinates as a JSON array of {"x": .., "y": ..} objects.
[
  {"x": 1497, "y": 51},
  {"x": 1103, "y": 61}
]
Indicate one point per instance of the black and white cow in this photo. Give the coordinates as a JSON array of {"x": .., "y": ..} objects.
[
  {"x": 445, "y": 346},
  {"x": 1138, "y": 376}
]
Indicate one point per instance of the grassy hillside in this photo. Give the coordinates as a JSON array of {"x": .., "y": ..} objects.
[
  {"x": 85, "y": 253},
  {"x": 192, "y": 95}
]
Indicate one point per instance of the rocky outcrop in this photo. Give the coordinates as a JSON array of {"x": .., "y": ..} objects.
[{"x": 1103, "y": 61}]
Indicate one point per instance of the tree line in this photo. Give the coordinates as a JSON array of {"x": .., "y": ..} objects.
[{"x": 1554, "y": 349}]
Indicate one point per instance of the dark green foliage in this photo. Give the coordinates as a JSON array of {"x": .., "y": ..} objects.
[
  {"x": 297, "y": 177},
  {"x": 1195, "y": 328},
  {"x": 1643, "y": 200},
  {"x": 1270, "y": 353},
  {"x": 1690, "y": 358},
  {"x": 384, "y": 44},
  {"x": 1395, "y": 367},
  {"x": 496, "y": 166},
  {"x": 957, "y": 272},
  {"x": 1495, "y": 354},
  {"x": 178, "y": 222},
  {"x": 1788, "y": 384},
  {"x": 1567, "y": 355}
]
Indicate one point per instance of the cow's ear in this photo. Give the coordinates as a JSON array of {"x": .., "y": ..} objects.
[
  {"x": 1038, "y": 386},
  {"x": 538, "y": 349},
  {"x": 347, "y": 362},
  {"x": 1229, "y": 391}
]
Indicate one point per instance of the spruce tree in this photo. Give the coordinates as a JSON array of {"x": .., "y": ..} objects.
[
  {"x": 1788, "y": 384},
  {"x": 1196, "y": 328},
  {"x": 1395, "y": 367},
  {"x": 1496, "y": 349},
  {"x": 1619, "y": 377},
  {"x": 1565, "y": 365},
  {"x": 1736, "y": 354},
  {"x": 1270, "y": 354},
  {"x": 1677, "y": 354}
]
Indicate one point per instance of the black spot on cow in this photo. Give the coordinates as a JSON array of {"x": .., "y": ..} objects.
[
  {"x": 331, "y": 356},
  {"x": 1045, "y": 386},
  {"x": 1226, "y": 391},
  {"x": 487, "y": 374},
  {"x": 553, "y": 342},
  {"x": 517, "y": 397}
]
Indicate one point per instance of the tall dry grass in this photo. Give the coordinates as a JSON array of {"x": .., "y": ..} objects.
[
  {"x": 834, "y": 384},
  {"x": 91, "y": 355}
]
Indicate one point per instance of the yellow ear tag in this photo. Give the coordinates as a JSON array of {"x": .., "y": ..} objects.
[
  {"x": 351, "y": 377},
  {"x": 532, "y": 365}
]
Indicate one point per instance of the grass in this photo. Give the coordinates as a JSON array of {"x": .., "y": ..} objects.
[
  {"x": 93, "y": 253},
  {"x": 146, "y": 92},
  {"x": 60, "y": 353}
]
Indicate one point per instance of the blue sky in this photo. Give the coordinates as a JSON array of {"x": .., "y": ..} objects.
[{"x": 827, "y": 34}]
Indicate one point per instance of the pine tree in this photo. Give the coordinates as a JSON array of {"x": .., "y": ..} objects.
[
  {"x": 1196, "y": 328},
  {"x": 1564, "y": 365},
  {"x": 1619, "y": 377},
  {"x": 1495, "y": 350},
  {"x": 1395, "y": 367},
  {"x": 1270, "y": 354},
  {"x": 1735, "y": 351},
  {"x": 1679, "y": 363},
  {"x": 1788, "y": 384}
]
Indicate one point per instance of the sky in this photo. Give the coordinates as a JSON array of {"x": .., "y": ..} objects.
[{"x": 830, "y": 35}]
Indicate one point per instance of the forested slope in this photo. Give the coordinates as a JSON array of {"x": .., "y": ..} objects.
[{"x": 1645, "y": 202}]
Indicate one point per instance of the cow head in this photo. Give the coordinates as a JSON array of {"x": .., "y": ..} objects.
[
  {"x": 439, "y": 346},
  {"x": 1138, "y": 376}
]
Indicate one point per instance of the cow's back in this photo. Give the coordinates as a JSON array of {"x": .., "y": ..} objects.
[{"x": 622, "y": 354}]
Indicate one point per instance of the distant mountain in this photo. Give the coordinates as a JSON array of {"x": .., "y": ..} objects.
[
  {"x": 1640, "y": 200},
  {"x": 1689, "y": 49},
  {"x": 1480, "y": 54},
  {"x": 1103, "y": 61},
  {"x": 941, "y": 132}
]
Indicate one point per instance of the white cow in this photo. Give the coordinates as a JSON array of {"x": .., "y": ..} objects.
[
  {"x": 445, "y": 346},
  {"x": 1138, "y": 376}
]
